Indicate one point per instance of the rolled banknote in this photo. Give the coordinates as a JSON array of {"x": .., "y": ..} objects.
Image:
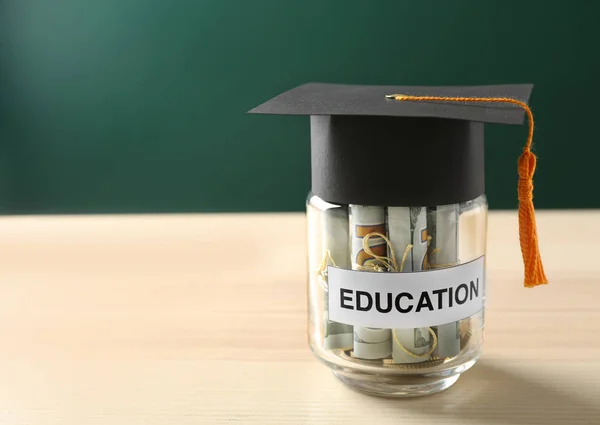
[
  {"x": 444, "y": 253},
  {"x": 371, "y": 350},
  {"x": 363, "y": 221},
  {"x": 407, "y": 226},
  {"x": 400, "y": 235},
  {"x": 337, "y": 335},
  {"x": 420, "y": 240},
  {"x": 336, "y": 244},
  {"x": 412, "y": 345}
]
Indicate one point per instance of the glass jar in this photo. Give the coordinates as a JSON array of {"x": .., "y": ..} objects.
[{"x": 435, "y": 244}]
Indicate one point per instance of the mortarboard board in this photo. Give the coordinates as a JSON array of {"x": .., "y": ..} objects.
[{"x": 370, "y": 149}]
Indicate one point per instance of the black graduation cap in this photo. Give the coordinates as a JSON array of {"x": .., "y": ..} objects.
[{"x": 370, "y": 149}]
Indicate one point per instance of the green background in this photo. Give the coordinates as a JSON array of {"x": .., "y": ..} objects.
[{"x": 139, "y": 106}]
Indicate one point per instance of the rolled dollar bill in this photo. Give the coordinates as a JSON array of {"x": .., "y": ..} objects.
[
  {"x": 371, "y": 343},
  {"x": 372, "y": 335},
  {"x": 444, "y": 253},
  {"x": 400, "y": 235},
  {"x": 371, "y": 350},
  {"x": 337, "y": 335},
  {"x": 412, "y": 345},
  {"x": 420, "y": 241},
  {"x": 365, "y": 220},
  {"x": 448, "y": 340},
  {"x": 407, "y": 226},
  {"x": 336, "y": 244}
]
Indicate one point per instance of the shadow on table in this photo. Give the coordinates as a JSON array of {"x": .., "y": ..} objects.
[{"x": 488, "y": 395}]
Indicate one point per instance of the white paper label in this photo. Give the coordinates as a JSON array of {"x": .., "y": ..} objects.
[{"x": 406, "y": 300}]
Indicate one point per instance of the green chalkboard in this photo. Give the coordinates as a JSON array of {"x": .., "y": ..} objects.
[{"x": 139, "y": 105}]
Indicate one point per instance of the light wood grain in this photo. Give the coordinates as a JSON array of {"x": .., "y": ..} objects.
[{"x": 200, "y": 319}]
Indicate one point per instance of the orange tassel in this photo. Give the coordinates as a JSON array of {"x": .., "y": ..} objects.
[{"x": 532, "y": 260}]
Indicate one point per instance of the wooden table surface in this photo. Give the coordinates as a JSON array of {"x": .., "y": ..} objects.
[{"x": 200, "y": 319}]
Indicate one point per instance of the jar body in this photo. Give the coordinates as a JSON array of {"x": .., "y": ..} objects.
[{"x": 403, "y": 359}]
